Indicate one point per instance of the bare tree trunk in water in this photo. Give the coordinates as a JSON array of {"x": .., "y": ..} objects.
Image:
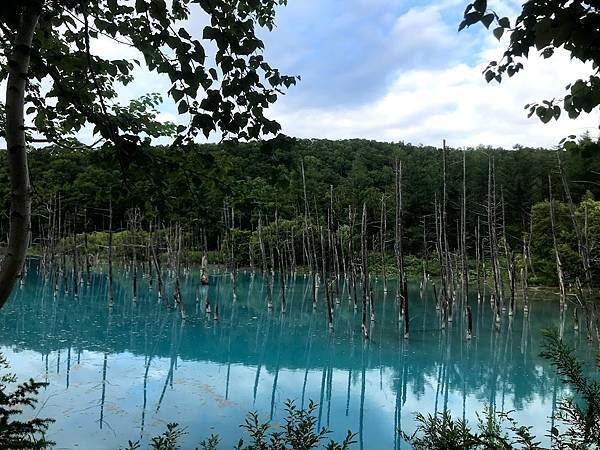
[
  {"x": 491, "y": 212},
  {"x": 559, "y": 269},
  {"x": 449, "y": 296},
  {"x": 524, "y": 276},
  {"x": 110, "y": 267},
  {"x": 75, "y": 259},
  {"x": 478, "y": 258},
  {"x": 382, "y": 236},
  {"x": 364, "y": 271},
  {"x": 20, "y": 206},
  {"x": 463, "y": 234}
]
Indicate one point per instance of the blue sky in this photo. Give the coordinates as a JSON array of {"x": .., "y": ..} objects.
[
  {"x": 395, "y": 70},
  {"x": 349, "y": 52},
  {"x": 399, "y": 70}
]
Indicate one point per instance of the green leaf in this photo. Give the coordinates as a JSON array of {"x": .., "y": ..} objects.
[
  {"x": 141, "y": 6},
  {"x": 182, "y": 108},
  {"x": 487, "y": 20},
  {"x": 498, "y": 32},
  {"x": 556, "y": 112},
  {"x": 211, "y": 33},
  {"x": 544, "y": 114},
  {"x": 472, "y": 18},
  {"x": 504, "y": 22},
  {"x": 40, "y": 120},
  {"x": 480, "y": 5},
  {"x": 544, "y": 33},
  {"x": 184, "y": 34},
  {"x": 177, "y": 94}
]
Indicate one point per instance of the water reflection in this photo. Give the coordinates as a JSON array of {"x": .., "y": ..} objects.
[{"x": 124, "y": 372}]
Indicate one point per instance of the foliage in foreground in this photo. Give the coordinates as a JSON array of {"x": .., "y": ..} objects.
[
  {"x": 298, "y": 432},
  {"x": 578, "y": 417},
  {"x": 15, "y": 433}
]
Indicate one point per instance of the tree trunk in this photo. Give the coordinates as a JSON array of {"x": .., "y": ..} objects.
[
  {"x": 559, "y": 270},
  {"x": 582, "y": 244},
  {"x": 20, "y": 208},
  {"x": 110, "y": 265},
  {"x": 463, "y": 234}
]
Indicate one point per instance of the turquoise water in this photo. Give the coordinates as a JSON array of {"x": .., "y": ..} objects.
[{"x": 123, "y": 373}]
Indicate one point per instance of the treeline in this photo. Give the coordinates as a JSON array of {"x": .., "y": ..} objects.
[{"x": 215, "y": 190}]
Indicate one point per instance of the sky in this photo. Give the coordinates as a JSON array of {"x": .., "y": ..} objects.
[{"x": 395, "y": 70}]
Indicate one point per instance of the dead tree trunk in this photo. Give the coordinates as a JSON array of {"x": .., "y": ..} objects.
[
  {"x": 525, "y": 276},
  {"x": 463, "y": 234},
  {"x": 559, "y": 270},
  {"x": 280, "y": 264},
  {"x": 86, "y": 249},
  {"x": 110, "y": 265},
  {"x": 364, "y": 271},
  {"x": 492, "y": 240},
  {"x": 382, "y": 242},
  {"x": 156, "y": 260},
  {"x": 351, "y": 262},
  {"x": 469, "y": 322},
  {"x": 449, "y": 283},
  {"x": 582, "y": 244},
  {"x": 439, "y": 245},
  {"x": 177, "y": 270},
  {"x": 478, "y": 257},
  {"x": 134, "y": 227},
  {"x": 75, "y": 260},
  {"x": 510, "y": 260},
  {"x": 425, "y": 257},
  {"x": 327, "y": 263},
  {"x": 265, "y": 270},
  {"x": 402, "y": 293}
]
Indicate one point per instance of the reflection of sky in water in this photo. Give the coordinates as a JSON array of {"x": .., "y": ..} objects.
[{"x": 206, "y": 374}]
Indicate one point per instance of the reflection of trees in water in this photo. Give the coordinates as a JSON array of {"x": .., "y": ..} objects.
[{"x": 494, "y": 366}]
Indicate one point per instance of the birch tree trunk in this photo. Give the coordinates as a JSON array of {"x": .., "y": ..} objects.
[{"x": 20, "y": 206}]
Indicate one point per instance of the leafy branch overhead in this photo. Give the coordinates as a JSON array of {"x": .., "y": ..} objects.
[
  {"x": 71, "y": 85},
  {"x": 546, "y": 26}
]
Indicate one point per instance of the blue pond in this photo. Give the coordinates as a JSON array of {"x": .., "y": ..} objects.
[{"x": 123, "y": 373}]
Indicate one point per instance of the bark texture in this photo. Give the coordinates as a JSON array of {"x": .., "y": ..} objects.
[{"x": 20, "y": 207}]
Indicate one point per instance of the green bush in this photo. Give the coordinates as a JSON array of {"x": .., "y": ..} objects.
[
  {"x": 15, "y": 433},
  {"x": 300, "y": 432},
  {"x": 579, "y": 420}
]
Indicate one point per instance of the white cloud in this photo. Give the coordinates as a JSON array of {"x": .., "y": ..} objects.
[
  {"x": 426, "y": 106},
  {"x": 437, "y": 92}
]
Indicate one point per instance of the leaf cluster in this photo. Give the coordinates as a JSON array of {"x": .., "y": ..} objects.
[
  {"x": 16, "y": 433},
  {"x": 545, "y": 27},
  {"x": 299, "y": 432},
  {"x": 218, "y": 76}
]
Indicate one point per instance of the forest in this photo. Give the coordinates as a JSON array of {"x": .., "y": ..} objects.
[{"x": 192, "y": 185}]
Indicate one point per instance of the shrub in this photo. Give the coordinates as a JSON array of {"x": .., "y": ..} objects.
[
  {"x": 15, "y": 433},
  {"x": 299, "y": 432},
  {"x": 579, "y": 419}
]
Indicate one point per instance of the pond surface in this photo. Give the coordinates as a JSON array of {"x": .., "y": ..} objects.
[{"x": 123, "y": 373}]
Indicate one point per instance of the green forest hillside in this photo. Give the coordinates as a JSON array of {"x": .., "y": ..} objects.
[{"x": 192, "y": 185}]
